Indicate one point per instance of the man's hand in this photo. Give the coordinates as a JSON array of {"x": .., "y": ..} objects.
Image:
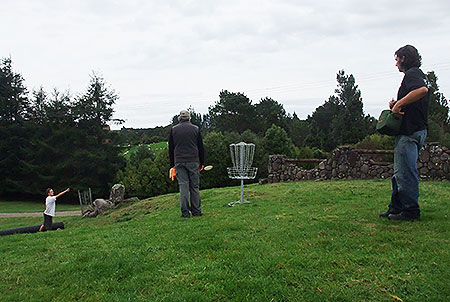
[
  {"x": 172, "y": 173},
  {"x": 396, "y": 108},
  {"x": 63, "y": 192},
  {"x": 201, "y": 167},
  {"x": 391, "y": 104}
]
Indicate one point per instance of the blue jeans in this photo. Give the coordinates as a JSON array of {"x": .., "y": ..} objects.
[
  {"x": 188, "y": 176},
  {"x": 405, "y": 182}
]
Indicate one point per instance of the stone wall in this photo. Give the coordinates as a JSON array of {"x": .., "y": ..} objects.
[{"x": 349, "y": 163}]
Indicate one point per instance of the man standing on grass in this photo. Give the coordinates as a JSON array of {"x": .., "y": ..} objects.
[
  {"x": 50, "y": 205},
  {"x": 412, "y": 102},
  {"x": 187, "y": 157}
]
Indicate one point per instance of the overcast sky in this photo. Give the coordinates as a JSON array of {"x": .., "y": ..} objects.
[{"x": 164, "y": 56}]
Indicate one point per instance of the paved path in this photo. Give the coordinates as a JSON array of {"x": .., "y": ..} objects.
[{"x": 65, "y": 213}]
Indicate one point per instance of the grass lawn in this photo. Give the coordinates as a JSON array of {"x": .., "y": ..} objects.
[
  {"x": 302, "y": 241},
  {"x": 155, "y": 147},
  {"x": 30, "y": 207}
]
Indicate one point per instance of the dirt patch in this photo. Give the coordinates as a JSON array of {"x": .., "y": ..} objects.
[{"x": 38, "y": 214}]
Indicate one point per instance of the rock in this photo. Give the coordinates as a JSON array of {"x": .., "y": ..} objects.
[
  {"x": 446, "y": 168},
  {"x": 102, "y": 204},
  {"x": 385, "y": 175},
  {"x": 365, "y": 169},
  {"x": 425, "y": 156},
  {"x": 352, "y": 157},
  {"x": 117, "y": 193},
  {"x": 276, "y": 166},
  {"x": 322, "y": 165},
  {"x": 263, "y": 181},
  {"x": 342, "y": 168},
  {"x": 373, "y": 173},
  {"x": 334, "y": 173}
]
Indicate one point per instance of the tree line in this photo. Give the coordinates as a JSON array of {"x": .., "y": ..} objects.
[
  {"x": 234, "y": 118},
  {"x": 55, "y": 139}
]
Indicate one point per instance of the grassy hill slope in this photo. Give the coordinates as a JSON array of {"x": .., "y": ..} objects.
[{"x": 303, "y": 241}]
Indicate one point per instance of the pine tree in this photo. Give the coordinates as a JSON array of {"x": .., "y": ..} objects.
[{"x": 13, "y": 94}]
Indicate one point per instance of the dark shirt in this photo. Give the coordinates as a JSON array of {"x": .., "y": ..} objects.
[
  {"x": 186, "y": 144},
  {"x": 416, "y": 114}
]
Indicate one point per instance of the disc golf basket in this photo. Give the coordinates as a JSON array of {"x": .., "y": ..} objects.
[
  {"x": 242, "y": 158},
  {"x": 85, "y": 198}
]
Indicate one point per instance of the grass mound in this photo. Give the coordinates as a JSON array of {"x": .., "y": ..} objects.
[{"x": 303, "y": 241}]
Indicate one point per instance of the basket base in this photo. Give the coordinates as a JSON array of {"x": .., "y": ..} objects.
[{"x": 232, "y": 204}]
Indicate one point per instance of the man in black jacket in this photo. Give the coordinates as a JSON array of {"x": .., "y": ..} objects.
[
  {"x": 187, "y": 156},
  {"x": 412, "y": 102}
]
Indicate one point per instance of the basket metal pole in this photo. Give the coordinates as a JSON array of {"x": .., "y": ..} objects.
[{"x": 242, "y": 190}]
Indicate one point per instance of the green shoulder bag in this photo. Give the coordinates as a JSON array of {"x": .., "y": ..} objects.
[{"x": 389, "y": 123}]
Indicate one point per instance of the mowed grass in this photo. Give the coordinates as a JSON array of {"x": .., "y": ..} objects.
[
  {"x": 30, "y": 207},
  {"x": 155, "y": 147},
  {"x": 302, "y": 241}
]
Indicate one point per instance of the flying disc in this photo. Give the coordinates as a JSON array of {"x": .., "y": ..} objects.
[{"x": 207, "y": 168}]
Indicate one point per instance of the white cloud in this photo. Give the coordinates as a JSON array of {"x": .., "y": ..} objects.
[{"x": 162, "y": 56}]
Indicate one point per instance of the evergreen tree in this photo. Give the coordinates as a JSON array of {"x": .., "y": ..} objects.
[
  {"x": 321, "y": 124},
  {"x": 299, "y": 130},
  {"x": 196, "y": 118},
  {"x": 341, "y": 119},
  {"x": 233, "y": 112},
  {"x": 16, "y": 166},
  {"x": 438, "y": 113},
  {"x": 13, "y": 94},
  {"x": 96, "y": 158},
  {"x": 95, "y": 106},
  {"x": 350, "y": 125},
  {"x": 269, "y": 112},
  {"x": 38, "y": 105}
]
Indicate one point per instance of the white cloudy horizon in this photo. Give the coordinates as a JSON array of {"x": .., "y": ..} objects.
[{"x": 164, "y": 56}]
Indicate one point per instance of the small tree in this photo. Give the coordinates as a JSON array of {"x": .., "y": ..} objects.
[{"x": 276, "y": 141}]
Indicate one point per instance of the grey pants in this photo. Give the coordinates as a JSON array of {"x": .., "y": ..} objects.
[{"x": 188, "y": 176}]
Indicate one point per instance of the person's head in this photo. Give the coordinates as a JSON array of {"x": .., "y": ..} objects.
[
  {"x": 407, "y": 57},
  {"x": 184, "y": 116},
  {"x": 49, "y": 192}
]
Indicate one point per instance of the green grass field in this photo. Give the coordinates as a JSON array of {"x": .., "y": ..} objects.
[
  {"x": 302, "y": 241},
  {"x": 155, "y": 147}
]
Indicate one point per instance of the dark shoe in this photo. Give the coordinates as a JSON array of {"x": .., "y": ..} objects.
[
  {"x": 402, "y": 216},
  {"x": 387, "y": 213},
  {"x": 197, "y": 214},
  {"x": 186, "y": 216}
]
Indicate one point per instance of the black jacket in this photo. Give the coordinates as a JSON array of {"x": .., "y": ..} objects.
[{"x": 186, "y": 144}]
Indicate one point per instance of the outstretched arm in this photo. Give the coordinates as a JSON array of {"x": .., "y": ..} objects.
[{"x": 63, "y": 192}]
